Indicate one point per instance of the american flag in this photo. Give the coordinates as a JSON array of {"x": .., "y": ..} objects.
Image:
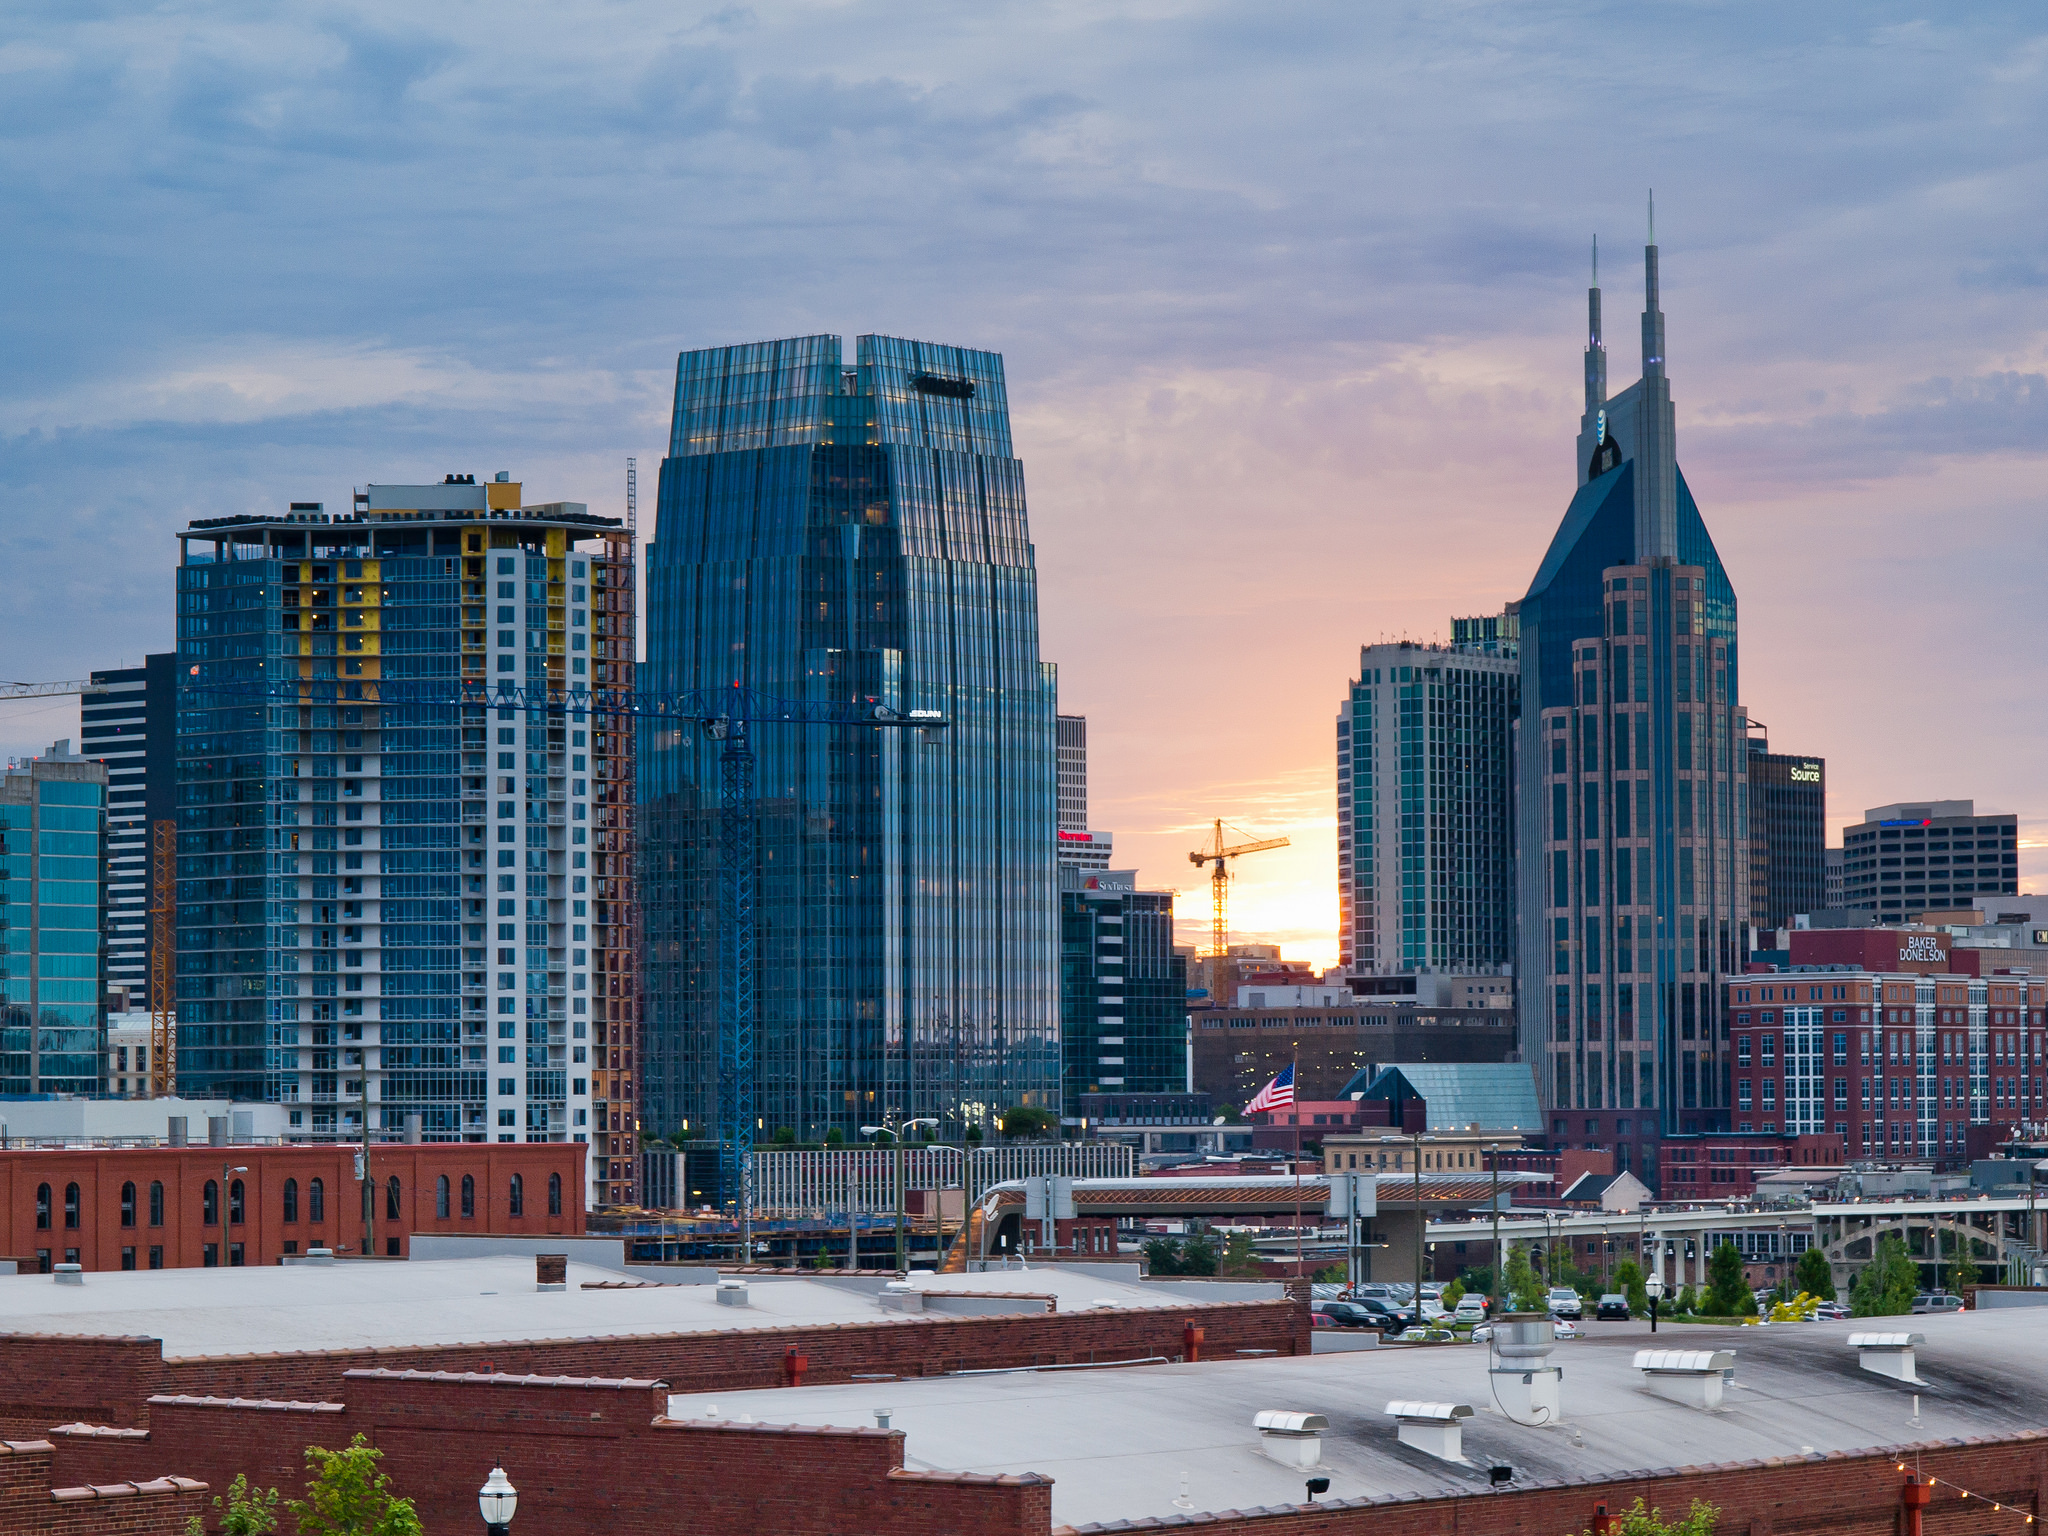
[{"x": 1277, "y": 1094}]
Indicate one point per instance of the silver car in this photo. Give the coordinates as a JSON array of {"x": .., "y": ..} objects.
[{"x": 1563, "y": 1301}]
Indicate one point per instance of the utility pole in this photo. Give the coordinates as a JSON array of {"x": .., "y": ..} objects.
[
  {"x": 369, "y": 1190},
  {"x": 1421, "y": 1226},
  {"x": 1493, "y": 1285}
]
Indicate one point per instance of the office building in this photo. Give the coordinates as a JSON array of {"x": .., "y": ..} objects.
[
  {"x": 1123, "y": 990},
  {"x": 1425, "y": 810},
  {"x": 1834, "y": 880},
  {"x": 1634, "y": 880},
  {"x": 854, "y": 533},
  {"x": 130, "y": 725},
  {"x": 1928, "y": 856},
  {"x": 1788, "y": 834},
  {"x": 1237, "y": 1051},
  {"x": 413, "y": 902},
  {"x": 1072, "y": 734},
  {"x": 53, "y": 830},
  {"x": 1492, "y": 634}
]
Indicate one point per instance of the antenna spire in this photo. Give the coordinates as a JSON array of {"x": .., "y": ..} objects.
[
  {"x": 1653, "y": 215},
  {"x": 1596, "y": 261}
]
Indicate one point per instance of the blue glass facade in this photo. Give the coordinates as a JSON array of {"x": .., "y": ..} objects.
[
  {"x": 53, "y": 828},
  {"x": 1123, "y": 991},
  {"x": 833, "y": 532},
  {"x": 1632, "y": 787}
]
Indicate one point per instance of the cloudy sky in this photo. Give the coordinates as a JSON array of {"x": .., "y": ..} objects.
[{"x": 1291, "y": 297}]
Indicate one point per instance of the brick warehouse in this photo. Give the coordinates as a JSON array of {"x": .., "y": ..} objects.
[{"x": 176, "y": 1207}]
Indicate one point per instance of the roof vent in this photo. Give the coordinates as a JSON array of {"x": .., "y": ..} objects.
[
  {"x": 69, "y": 1274},
  {"x": 319, "y": 1255},
  {"x": 1888, "y": 1354},
  {"x": 1432, "y": 1428},
  {"x": 1693, "y": 1377},
  {"x": 1292, "y": 1439},
  {"x": 1529, "y": 1392},
  {"x": 731, "y": 1293}
]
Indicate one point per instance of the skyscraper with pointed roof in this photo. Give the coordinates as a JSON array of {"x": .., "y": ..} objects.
[{"x": 1632, "y": 816}]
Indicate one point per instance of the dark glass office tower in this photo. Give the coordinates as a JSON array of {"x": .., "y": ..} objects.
[
  {"x": 1632, "y": 777},
  {"x": 854, "y": 533},
  {"x": 1788, "y": 834},
  {"x": 1123, "y": 990},
  {"x": 131, "y": 726}
]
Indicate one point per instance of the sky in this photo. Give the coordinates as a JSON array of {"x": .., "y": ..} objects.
[{"x": 1291, "y": 297}]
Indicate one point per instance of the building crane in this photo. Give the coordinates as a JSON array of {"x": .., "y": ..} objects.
[
  {"x": 725, "y": 715},
  {"x": 83, "y": 688},
  {"x": 1220, "y": 855}
]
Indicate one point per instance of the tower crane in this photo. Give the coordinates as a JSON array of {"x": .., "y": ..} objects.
[
  {"x": 1219, "y": 854},
  {"x": 49, "y": 690}
]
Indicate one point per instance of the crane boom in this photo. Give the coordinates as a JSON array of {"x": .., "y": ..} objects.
[
  {"x": 1219, "y": 854},
  {"x": 49, "y": 690}
]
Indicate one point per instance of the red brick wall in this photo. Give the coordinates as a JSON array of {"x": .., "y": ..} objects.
[
  {"x": 48, "y": 1381},
  {"x": 28, "y": 1502},
  {"x": 263, "y": 1232}
]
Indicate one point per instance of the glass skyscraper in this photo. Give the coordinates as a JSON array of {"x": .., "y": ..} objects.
[
  {"x": 1633, "y": 761},
  {"x": 53, "y": 832},
  {"x": 403, "y": 902},
  {"x": 854, "y": 533},
  {"x": 131, "y": 727},
  {"x": 1123, "y": 990}
]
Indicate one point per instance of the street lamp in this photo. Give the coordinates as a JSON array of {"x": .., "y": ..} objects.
[
  {"x": 895, "y": 1134},
  {"x": 497, "y": 1499},
  {"x": 1654, "y": 1289}
]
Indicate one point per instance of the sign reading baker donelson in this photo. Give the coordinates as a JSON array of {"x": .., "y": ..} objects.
[
  {"x": 1881, "y": 950},
  {"x": 1923, "y": 948}
]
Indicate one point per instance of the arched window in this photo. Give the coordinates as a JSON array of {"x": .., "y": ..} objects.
[
  {"x": 42, "y": 1207},
  {"x": 468, "y": 1196},
  {"x": 441, "y": 1197},
  {"x": 391, "y": 1198},
  {"x": 237, "y": 1199},
  {"x": 156, "y": 1202},
  {"x": 516, "y": 1197},
  {"x": 209, "y": 1204},
  {"x": 128, "y": 1205},
  {"x": 554, "y": 1194},
  {"x": 316, "y": 1202},
  {"x": 291, "y": 1199},
  {"x": 71, "y": 1207}
]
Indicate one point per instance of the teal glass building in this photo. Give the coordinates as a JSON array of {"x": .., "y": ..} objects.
[
  {"x": 1632, "y": 787},
  {"x": 853, "y": 532},
  {"x": 53, "y": 849}
]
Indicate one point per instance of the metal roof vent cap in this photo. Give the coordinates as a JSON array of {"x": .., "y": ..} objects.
[
  {"x": 731, "y": 1292},
  {"x": 69, "y": 1274},
  {"x": 319, "y": 1255},
  {"x": 1888, "y": 1354},
  {"x": 1432, "y": 1428},
  {"x": 1292, "y": 1439},
  {"x": 1528, "y": 1391},
  {"x": 1693, "y": 1377}
]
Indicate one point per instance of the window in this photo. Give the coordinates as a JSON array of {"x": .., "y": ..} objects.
[
  {"x": 316, "y": 1202},
  {"x": 291, "y": 1200},
  {"x": 236, "y": 1199},
  {"x": 468, "y": 1196},
  {"x": 156, "y": 1257},
  {"x": 515, "y": 1197},
  {"x": 156, "y": 1209},
  {"x": 441, "y": 1197},
  {"x": 71, "y": 1207},
  {"x": 234, "y": 1255},
  {"x": 127, "y": 1258},
  {"x": 42, "y": 1207},
  {"x": 554, "y": 1194},
  {"x": 209, "y": 1256},
  {"x": 209, "y": 1205},
  {"x": 391, "y": 1198},
  {"x": 128, "y": 1211}
]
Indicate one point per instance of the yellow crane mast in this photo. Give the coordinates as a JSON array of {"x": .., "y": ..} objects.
[{"x": 1219, "y": 854}]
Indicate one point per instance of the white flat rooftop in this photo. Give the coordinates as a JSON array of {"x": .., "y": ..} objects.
[
  {"x": 362, "y": 1304},
  {"x": 1117, "y": 1443}
]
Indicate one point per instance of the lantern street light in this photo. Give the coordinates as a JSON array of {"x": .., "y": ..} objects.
[
  {"x": 895, "y": 1135},
  {"x": 497, "y": 1499},
  {"x": 1654, "y": 1288}
]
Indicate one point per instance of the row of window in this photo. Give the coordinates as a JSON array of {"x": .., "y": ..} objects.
[
  {"x": 316, "y": 1201},
  {"x": 2006, "y": 1050}
]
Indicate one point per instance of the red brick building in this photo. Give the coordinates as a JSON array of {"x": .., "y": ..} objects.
[
  {"x": 1726, "y": 1167},
  {"x": 188, "y": 1207},
  {"x": 1911, "y": 1049}
]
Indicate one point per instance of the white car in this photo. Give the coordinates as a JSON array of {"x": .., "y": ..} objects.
[
  {"x": 1471, "y": 1309},
  {"x": 1433, "y": 1310},
  {"x": 1564, "y": 1302},
  {"x": 1564, "y": 1328}
]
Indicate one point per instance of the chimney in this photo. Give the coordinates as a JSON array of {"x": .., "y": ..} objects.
[
  {"x": 174, "y": 1130},
  {"x": 216, "y": 1130},
  {"x": 550, "y": 1270}
]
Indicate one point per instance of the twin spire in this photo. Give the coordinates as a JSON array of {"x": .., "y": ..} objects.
[{"x": 1653, "y": 322}]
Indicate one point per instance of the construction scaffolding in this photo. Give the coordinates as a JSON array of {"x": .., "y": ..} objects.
[{"x": 163, "y": 962}]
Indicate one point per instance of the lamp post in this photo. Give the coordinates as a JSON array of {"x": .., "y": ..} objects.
[
  {"x": 497, "y": 1499},
  {"x": 1654, "y": 1288},
  {"x": 895, "y": 1134}
]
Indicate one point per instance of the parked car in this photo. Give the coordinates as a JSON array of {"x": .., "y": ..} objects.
[
  {"x": 1936, "y": 1301},
  {"x": 1830, "y": 1311},
  {"x": 1350, "y": 1314},
  {"x": 1565, "y": 1328},
  {"x": 1471, "y": 1309},
  {"x": 1563, "y": 1301},
  {"x": 1482, "y": 1333},
  {"x": 1321, "y": 1320},
  {"x": 1433, "y": 1310},
  {"x": 1421, "y": 1335},
  {"x": 1612, "y": 1307},
  {"x": 1384, "y": 1315},
  {"x": 1374, "y": 1288}
]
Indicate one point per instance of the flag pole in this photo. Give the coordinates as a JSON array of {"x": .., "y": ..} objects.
[{"x": 1294, "y": 1075}]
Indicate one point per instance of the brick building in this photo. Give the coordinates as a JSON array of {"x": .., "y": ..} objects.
[
  {"x": 1726, "y": 1167},
  {"x": 1238, "y": 1049},
  {"x": 120, "y": 1208}
]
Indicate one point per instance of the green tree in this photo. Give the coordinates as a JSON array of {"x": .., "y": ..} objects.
[
  {"x": 1477, "y": 1281},
  {"x": 1453, "y": 1294},
  {"x": 1240, "y": 1259},
  {"x": 1027, "y": 1120},
  {"x": 1814, "y": 1275},
  {"x": 1684, "y": 1302},
  {"x": 1628, "y": 1279},
  {"x": 1198, "y": 1256},
  {"x": 349, "y": 1495},
  {"x": 1525, "y": 1288},
  {"x": 1728, "y": 1292},
  {"x": 1886, "y": 1284},
  {"x": 785, "y": 1136},
  {"x": 1162, "y": 1256},
  {"x": 1638, "y": 1521},
  {"x": 245, "y": 1511}
]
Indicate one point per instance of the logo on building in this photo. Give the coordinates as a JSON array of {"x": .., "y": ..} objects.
[
  {"x": 1806, "y": 773},
  {"x": 1922, "y": 949}
]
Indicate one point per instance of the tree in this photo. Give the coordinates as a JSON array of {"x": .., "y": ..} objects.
[
  {"x": 1162, "y": 1256},
  {"x": 1198, "y": 1256},
  {"x": 1240, "y": 1260},
  {"x": 1525, "y": 1290},
  {"x": 1628, "y": 1279},
  {"x": 245, "y": 1511},
  {"x": 1453, "y": 1294},
  {"x": 1638, "y": 1521},
  {"x": 1027, "y": 1120},
  {"x": 350, "y": 1496},
  {"x": 1728, "y": 1292},
  {"x": 1886, "y": 1284},
  {"x": 834, "y": 1136},
  {"x": 1814, "y": 1275}
]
